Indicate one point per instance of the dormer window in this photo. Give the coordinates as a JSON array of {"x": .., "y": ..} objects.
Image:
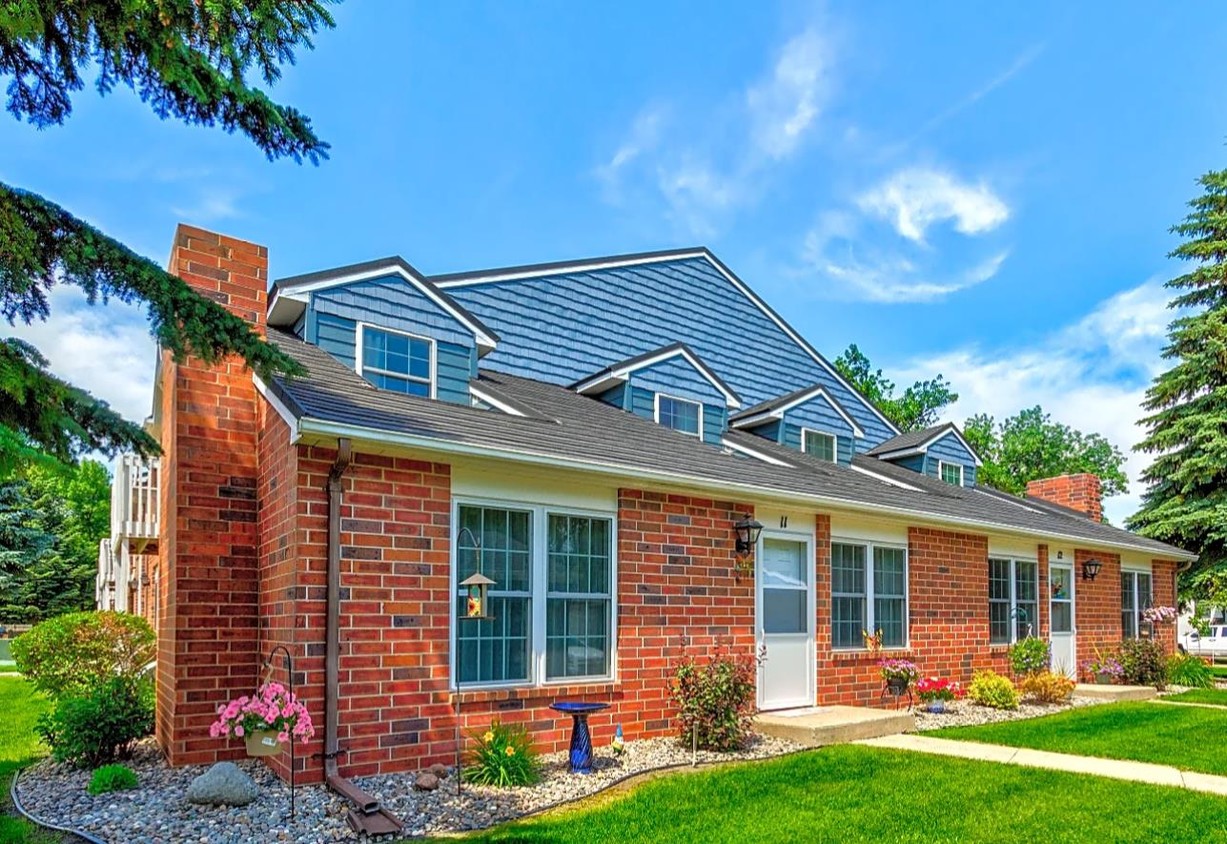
[
  {"x": 680, "y": 415},
  {"x": 820, "y": 444},
  {"x": 394, "y": 360},
  {"x": 951, "y": 473}
]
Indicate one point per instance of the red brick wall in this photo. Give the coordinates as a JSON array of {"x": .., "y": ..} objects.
[
  {"x": 1164, "y": 579},
  {"x": 1097, "y": 605},
  {"x": 1082, "y": 492},
  {"x": 208, "y": 646}
]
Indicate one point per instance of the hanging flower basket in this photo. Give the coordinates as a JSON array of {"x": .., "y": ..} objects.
[
  {"x": 263, "y": 743},
  {"x": 266, "y": 721}
]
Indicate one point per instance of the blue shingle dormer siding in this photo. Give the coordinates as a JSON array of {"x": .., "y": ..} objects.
[
  {"x": 789, "y": 418},
  {"x": 561, "y": 323},
  {"x": 927, "y": 451},
  {"x": 950, "y": 449}
]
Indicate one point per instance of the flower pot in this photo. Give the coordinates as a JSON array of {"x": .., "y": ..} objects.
[
  {"x": 262, "y": 743},
  {"x": 897, "y": 686},
  {"x": 936, "y": 706},
  {"x": 1103, "y": 678}
]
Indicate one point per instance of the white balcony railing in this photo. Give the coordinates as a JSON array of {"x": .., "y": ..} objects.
[{"x": 134, "y": 498}]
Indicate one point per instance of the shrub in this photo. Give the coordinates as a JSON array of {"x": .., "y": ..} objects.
[
  {"x": 504, "y": 757},
  {"x": 1145, "y": 662},
  {"x": 1030, "y": 656},
  {"x": 110, "y": 778},
  {"x": 1189, "y": 670},
  {"x": 935, "y": 688},
  {"x": 988, "y": 688},
  {"x": 71, "y": 654},
  {"x": 715, "y": 700},
  {"x": 100, "y": 726},
  {"x": 1047, "y": 687}
]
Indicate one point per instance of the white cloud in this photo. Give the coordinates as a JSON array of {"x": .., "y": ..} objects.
[
  {"x": 643, "y": 136},
  {"x": 916, "y": 198},
  {"x": 211, "y": 205},
  {"x": 784, "y": 106},
  {"x": 1091, "y": 374}
]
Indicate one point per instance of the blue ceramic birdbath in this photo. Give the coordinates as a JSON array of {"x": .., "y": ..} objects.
[{"x": 581, "y": 739}]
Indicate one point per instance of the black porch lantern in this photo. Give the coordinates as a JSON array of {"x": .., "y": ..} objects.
[
  {"x": 747, "y": 534},
  {"x": 1090, "y": 569},
  {"x": 477, "y": 586}
]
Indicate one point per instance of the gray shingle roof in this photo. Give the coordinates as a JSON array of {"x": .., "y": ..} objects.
[
  {"x": 588, "y": 434},
  {"x": 909, "y": 439},
  {"x": 780, "y": 401}
]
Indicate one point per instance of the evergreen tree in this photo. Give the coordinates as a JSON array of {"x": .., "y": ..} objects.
[
  {"x": 189, "y": 60},
  {"x": 1186, "y": 498},
  {"x": 917, "y": 407}
]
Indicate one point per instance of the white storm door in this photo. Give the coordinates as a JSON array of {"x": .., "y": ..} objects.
[
  {"x": 786, "y": 677},
  {"x": 1061, "y": 619}
]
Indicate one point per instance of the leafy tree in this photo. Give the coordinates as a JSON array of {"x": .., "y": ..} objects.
[
  {"x": 918, "y": 406},
  {"x": 188, "y": 60},
  {"x": 1186, "y": 496},
  {"x": 1029, "y": 446}
]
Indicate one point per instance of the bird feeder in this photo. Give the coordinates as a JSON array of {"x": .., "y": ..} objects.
[{"x": 477, "y": 587}]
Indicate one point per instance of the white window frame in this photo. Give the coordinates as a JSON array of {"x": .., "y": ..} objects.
[
  {"x": 834, "y": 442},
  {"x": 361, "y": 368},
  {"x": 656, "y": 412},
  {"x": 1013, "y": 600},
  {"x": 869, "y": 546},
  {"x": 1138, "y": 622},
  {"x": 538, "y": 593},
  {"x": 941, "y": 466}
]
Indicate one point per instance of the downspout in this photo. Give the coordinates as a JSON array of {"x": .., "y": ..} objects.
[{"x": 367, "y": 816}]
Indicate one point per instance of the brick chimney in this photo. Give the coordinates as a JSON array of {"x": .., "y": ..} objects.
[
  {"x": 1082, "y": 492},
  {"x": 207, "y": 632}
]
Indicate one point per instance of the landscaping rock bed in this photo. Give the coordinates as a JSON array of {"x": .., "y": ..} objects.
[
  {"x": 964, "y": 713},
  {"x": 158, "y": 812}
]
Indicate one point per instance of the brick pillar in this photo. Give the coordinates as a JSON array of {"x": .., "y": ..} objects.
[
  {"x": 1083, "y": 493},
  {"x": 207, "y": 636}
]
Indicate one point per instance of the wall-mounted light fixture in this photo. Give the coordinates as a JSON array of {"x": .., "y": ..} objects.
[
  {"x": 1090, "y": 569},
  {"x": 747, "y": 534}
]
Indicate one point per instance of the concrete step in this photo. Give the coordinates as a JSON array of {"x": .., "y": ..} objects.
[
  {"x": 1107, "y": 692},
  {"x": 817, "y": 726}
]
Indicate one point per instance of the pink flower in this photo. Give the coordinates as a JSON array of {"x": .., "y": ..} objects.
[
  {"x": 283, "y": 737},
  {"x": 238, "y": 730}
]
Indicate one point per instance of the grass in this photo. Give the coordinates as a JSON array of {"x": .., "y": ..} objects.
[
  {"x": 18, "y": 747},
  {"x": 1191, "y": 738},
  {"x": 861, "y": 794},
  {"x": 1219, "y": 671},
  {"x": 1216, "y": 697}
]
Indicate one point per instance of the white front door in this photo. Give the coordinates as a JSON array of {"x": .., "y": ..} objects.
[
  {"x": 786, "y": 676},
  {"x": 1061, "y": 619}
]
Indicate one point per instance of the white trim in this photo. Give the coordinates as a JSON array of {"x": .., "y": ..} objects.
[
  {"x": 1012, "y": 601},
  {"x": 1141, "y": 568},
  {"x": 318, "y": 427},
  {"x": 870, "y": 594},
  {"x": 656, "y": 412},
  {"x": 614, "y": 376},
  {"x": 588, "y": 266},
  {"x": 359, "y": 353},
  {"x": 942, "y": 464},
  {"x": 1072, "y": 633},
  {"x": 834, "y": 442},
  {"x": 1138, "y": 621},
  {"x": 295, "y": 293},
  {"x": 746, "y": 450},
  {"x": 804, "y": 398},
  {"x": 808, "y": 540},
  {"x": 538, "y": 592},
  {"x": 923, "y": 447},
  {"x": 276, "y": 404},
  {"x": 884, "y": 479},
  {"x": 477, "y": 393}
]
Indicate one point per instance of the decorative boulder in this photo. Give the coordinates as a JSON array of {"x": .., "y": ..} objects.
[
  {"x": 439, "y": 770},
  {"x": 225, "y": 784},
  {"x": 426, "y": 781}
]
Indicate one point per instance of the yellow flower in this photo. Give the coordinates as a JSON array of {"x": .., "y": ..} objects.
[
  {"x": 488, "y": 737},
  {"x": 511, "y": 751}
]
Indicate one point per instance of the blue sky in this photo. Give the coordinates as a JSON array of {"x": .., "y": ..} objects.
[{"x": 981, "y": 192}]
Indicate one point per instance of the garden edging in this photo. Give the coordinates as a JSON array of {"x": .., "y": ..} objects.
[{"x": 67, "y": 830}]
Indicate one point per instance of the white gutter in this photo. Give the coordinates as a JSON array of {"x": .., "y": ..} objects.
[{"x": 307, "y": 425}]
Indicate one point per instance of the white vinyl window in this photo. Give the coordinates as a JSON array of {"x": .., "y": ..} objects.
[
  {"x": 951, "y": 473},
  {"x": 551, "y": 605},
  {"x": 680, "y": 415},
  {"x": 1136, "y": 595},
  {"x": 393, "y": 360},
  {"x": 822, "y": 445},
  {"x": 1013, "y": 600},
  {"x": 865, "y": 597}
]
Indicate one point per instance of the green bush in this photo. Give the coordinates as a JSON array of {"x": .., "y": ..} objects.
[
  {"x": 73, "y": 653},
  {"x": 1030, "y": 656},
  {"x": 110, "y": 778},
  {"x": 99, "y": 726},
  {"x": 504, "y": 757},
  {"x": 715, "y": 700},
  {"x": 1047, "y": 687},
  {"x": 988, "y": 688},
  {"x": 1189, "y": 670},
  {"x": 1145, "y": 663}
]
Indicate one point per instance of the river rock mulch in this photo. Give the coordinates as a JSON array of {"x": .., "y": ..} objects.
[
  {"x": 964, "y": 713},
  {"x": 157, "y": 812}
]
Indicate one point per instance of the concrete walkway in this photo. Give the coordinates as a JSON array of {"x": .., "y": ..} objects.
[{"x": 1118, "y": 769}]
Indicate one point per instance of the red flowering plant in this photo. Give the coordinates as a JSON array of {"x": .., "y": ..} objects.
[{"x": 930, "y": 689}]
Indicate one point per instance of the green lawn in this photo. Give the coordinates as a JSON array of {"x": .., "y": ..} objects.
[
  {"x": 854, "y": 794},
  {"x": 1217, "y": 697},
  {"x": 1219, "y": 671},
  {"x": 18, "y": 747},
  {"x": 1188, "y": 737}
]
